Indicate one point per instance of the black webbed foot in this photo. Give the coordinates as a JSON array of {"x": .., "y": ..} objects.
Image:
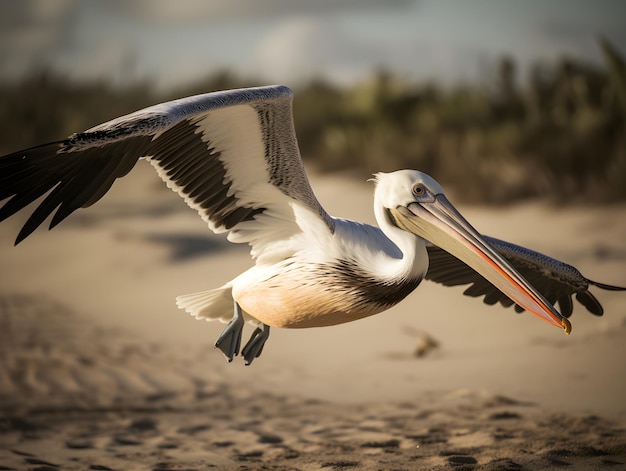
[
  {"x": 229, "y": 340},
  {"x": 254, "y": 347}
]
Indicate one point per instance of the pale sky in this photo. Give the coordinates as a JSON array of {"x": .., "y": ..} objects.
[{"x": 288, "y": 41}]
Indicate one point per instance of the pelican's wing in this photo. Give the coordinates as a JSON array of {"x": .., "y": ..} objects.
[
  {"x": 232, "y": 156},
  {"x": 556, "y": 280}
]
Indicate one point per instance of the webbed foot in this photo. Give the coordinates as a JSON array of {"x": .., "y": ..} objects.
[
  {"x": 229, "y": 340},
  {"x": 254, "y": 347}
]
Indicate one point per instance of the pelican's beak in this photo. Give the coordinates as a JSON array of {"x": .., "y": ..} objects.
[{"x": 441, "y": 224}]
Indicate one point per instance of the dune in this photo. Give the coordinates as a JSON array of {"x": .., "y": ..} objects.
[{"x": 100, "y": 370}]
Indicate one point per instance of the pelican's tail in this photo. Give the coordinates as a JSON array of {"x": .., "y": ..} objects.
[{"x": 211, "y": 305}]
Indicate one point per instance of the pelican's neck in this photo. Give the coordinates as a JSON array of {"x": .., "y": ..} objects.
[{"x": 412, "y": 261}]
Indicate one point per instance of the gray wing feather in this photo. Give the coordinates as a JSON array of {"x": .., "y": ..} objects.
[{"x": 556, "y": 280}]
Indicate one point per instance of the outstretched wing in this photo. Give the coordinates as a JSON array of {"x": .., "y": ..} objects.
[
  {"x": 232, "y": 156},
  {"x": 556, "y": 280}
]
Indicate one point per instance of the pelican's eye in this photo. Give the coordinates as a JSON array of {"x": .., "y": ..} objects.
[{"x": 419, "y": 190}]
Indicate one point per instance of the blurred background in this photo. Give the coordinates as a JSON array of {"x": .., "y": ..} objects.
[{"x": 532, "y": 92}]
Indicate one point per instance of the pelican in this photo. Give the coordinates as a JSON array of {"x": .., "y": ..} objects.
[{"x": 234, "y": 158}]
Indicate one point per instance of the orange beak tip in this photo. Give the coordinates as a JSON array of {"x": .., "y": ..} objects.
[{"x": 567, "y": 326}]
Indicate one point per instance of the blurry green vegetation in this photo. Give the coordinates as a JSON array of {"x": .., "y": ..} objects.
[{"x": 561, "y": 134}]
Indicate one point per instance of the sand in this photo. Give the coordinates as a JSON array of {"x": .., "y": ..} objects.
[{"x": 100, "y": 370}]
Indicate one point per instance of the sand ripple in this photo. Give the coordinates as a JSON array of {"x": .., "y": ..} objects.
[{"x": 55, "y": 358}]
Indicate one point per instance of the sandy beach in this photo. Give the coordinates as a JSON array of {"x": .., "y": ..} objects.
[{"x": 101, "y": 371}]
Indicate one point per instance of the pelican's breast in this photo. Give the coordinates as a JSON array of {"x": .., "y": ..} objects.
[{"x": 316, "y": 295}]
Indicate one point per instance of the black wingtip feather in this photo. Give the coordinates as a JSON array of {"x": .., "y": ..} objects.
[
  {"x": 606, "y": 287},
  {"x": 565, "y": 305},
  {"x": 590, "y": 302},
  {"x": 72, "y": 179},
  {"x": 23, "y": 234}
]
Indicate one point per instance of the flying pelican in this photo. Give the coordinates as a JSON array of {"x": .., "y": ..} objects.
[{"x": 233, "y": 157}]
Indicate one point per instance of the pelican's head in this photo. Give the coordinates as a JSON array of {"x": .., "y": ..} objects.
[{"x": 414, "y": 202}]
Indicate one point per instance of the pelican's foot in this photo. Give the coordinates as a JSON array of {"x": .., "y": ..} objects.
[
  {"x": 254, "y": 347},
  {"x": 229, "y": 340}
]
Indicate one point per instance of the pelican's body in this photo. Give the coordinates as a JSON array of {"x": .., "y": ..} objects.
[
  {"x": 332, "y": 280},
  {"x": 233, "y": 157}
]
